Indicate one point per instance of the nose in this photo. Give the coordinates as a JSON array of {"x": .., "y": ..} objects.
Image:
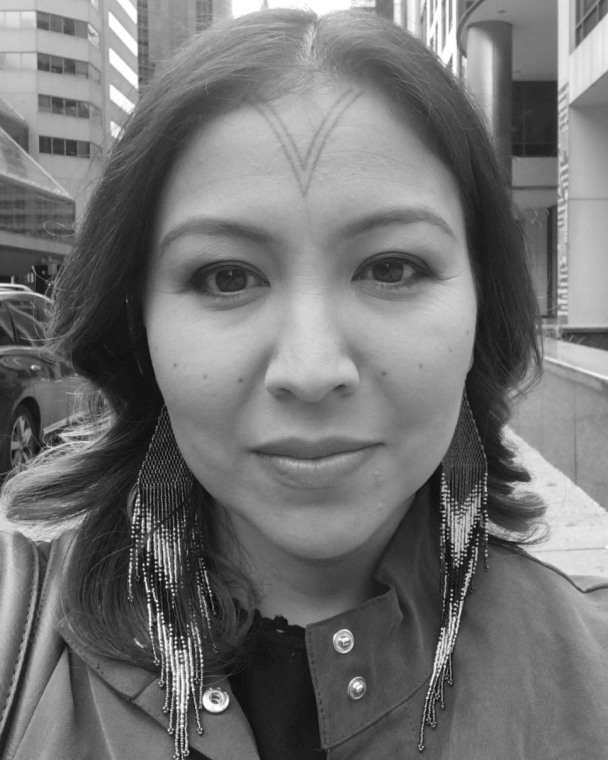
[{"x": 312, "y": 357}]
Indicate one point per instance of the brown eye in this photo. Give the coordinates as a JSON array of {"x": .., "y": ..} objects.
[
  {"x": 388, "y": 271},
  {"x": 226, "y": 280},
  {"x": 391, "y": 272},
  {"x": 230, "y": 280}
]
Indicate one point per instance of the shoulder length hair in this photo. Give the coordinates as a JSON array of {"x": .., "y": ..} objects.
[{"x": 97, "y": 320}]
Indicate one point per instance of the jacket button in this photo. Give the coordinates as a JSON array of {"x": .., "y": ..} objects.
[
  {"x": 344, "y": 641},
  {"x": 357, "y": 688},
  {"x": 215, "y": 700}
]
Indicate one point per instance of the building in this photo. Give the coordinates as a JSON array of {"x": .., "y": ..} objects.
[
  {"x": 164, "y": 25},
  {"x": 69, "y": 68},
  {"x": 390, "y": 9},
  {"x": 539, "y": 70},
  {"x": 506, "y": 51},
  {"x": 36, "y": 214}
]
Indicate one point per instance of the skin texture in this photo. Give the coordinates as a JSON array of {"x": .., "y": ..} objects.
[{"x": 314, "y": 343}]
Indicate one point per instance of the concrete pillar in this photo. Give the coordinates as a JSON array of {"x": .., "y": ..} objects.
[{"x": 489, "y": 77}]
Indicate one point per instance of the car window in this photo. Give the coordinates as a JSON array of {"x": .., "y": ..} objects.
[
  {"x": 30, "y": 332},
  {"x": 6, "y": 326}
]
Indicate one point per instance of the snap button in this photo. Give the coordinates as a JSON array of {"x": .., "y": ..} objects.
[
  {"x": 344, "y": 641},
  {"x": 215, "y": 700},
  {"x": 357, "y": 688}
]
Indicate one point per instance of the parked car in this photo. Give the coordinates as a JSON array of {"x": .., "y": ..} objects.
[{"x": 38, "y": 392}]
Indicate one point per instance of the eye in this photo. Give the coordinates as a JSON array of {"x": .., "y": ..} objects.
[
  {"x": 226, "y": 280},
  {"x": 390, "y": 272}
]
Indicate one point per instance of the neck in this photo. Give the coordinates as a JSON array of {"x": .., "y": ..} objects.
[{"x": 301, "y": 589}]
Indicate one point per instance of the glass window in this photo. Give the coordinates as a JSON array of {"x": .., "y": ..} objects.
[
  {"x": 56, "y": 23},
  {"x": 6, "y": 326},
  {"x": 84, "y": 149},
  {"x": 27, "y": 329},
  {"x": 58, "y": 146},
  {"x": 68, "y": 26},
  {"x": 93, "y": 36},
  {"x": 7, "y": 336},
  {"x": 44, "y": 103},
  {"x": 56, "y": 64},
  {"x": 71, "y": 148},
  {"x": 82, "y": 69},
  {"x": 69, "y": 66},
  {"x": 80, "y": 29},
  {"x": 28, "y": 19},
  {"x": 12, "y": 20},
  {"x": 43, "y": 20},
  {"x": 12, "y": 60},
  {"x": 44, "y": 145},
  {"x": 83, "y": 109},
  {"x": 28, "y": 60},
  {"x": 57, "y": 106},
  {"x": 71, "y": 108},
  {"x": 44, "y": 62}
]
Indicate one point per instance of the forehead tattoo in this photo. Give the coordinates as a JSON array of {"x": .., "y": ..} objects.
[{"x": 303, "y": 164}]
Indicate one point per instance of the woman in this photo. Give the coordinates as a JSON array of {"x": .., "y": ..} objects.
[{"x": 302, "y": 291}]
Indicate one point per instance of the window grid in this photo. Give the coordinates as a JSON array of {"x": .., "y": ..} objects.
[
  {"x": 50, "y": 22},
  {"x": 17, "y": 20},
  {"x": 17, "y": 60},
  {"x": 588, "y": 15},
  {"x": 80, "y": 109},
  {"x": 55, "y": 64},
  {"x": 26, "y": 211},
  {"x": 59, "y": 146}
]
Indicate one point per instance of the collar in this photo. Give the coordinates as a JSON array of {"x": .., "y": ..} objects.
[{"x": 399, "y": 626}]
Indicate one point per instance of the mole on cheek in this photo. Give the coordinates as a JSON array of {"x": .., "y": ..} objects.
[
  {"x": 241, "y": 379},
  {"x": 204, "y": 377},
  {"x": 384, "y": 373},
  {"x": 421, "y": 366},
  {"x": 174, "y": 365}
]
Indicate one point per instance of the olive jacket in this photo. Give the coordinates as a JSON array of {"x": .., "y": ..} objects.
[{"x": 530, "y": 673}]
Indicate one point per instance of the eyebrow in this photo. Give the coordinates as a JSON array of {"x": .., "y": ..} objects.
[{"x": 251, "y": 232}]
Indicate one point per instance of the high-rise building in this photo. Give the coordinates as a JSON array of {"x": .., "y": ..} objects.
[
  {"x": 507, "y": 54},
  {"x": 69, "y": 67},
  {"x": 164, "y": 25},
  {"x": 390, "y": 9},
  {"x": 36, "y": 214}
]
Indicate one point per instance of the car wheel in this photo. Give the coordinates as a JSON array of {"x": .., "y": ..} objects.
[{"x": 22, "y": 438}]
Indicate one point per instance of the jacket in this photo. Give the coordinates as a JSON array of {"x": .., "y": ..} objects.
[{"x": 530, "y": 671}]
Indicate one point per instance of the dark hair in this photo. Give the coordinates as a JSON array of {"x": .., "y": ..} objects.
[{"x": 97, "y": 319}]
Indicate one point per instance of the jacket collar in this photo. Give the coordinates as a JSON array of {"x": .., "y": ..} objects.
[
  {"x": 399, "y": 626},
  {"x": 395, "y": 633}
]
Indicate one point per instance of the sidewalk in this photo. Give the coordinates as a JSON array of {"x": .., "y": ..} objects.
[{"x": 578, "y": 538}]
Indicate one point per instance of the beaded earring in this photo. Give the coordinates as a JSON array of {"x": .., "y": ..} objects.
[
  {"x": 166, "y": 558},
  {"x": 463, "y": 531}
]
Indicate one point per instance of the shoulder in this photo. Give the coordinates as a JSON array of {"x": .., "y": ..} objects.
[
  {"x": 534, "y": 596},
  {"x": 528, "y": 569}
]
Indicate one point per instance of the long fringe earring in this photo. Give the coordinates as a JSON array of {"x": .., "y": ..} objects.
[
  {"x": 166, "y": 560},
  {"x": 463, "y": 532}
]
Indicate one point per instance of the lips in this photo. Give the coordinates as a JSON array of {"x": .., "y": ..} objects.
[
  {"x": 299, "y": 448},
  {"x": 312, "y": 465}
]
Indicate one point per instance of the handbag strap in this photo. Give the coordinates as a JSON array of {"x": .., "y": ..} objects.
[{"x": 30, "y": 608}]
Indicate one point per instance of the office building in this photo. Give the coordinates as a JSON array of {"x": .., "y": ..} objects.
[
  {"x": 36, "y": 214},
  {"x": 506, "y": 52},
  {"x": 69, "y": 67},
  {"x": 164, "y": 25}
]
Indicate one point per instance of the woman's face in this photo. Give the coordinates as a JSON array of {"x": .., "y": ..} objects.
[{"x": 310, "y": 311}]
